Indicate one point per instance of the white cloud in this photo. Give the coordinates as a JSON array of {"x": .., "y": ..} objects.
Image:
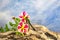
[
  {"x": 40, "y": 10},
  {"x": 5, "y": 15},
  {"x": 47, "y": 5},
  {"x": 3, "y": 3},
  {"x": 42, "y": 4}
]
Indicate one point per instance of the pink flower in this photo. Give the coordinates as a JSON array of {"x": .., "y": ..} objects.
[
  {"x": 22, "y": 27},
  {"x": 24, "y": 16}
]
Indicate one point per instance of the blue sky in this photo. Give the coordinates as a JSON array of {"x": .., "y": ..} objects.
[{"x": 44, "y": 12}]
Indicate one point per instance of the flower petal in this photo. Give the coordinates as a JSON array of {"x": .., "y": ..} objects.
[
  {"x": 20, "y": 16},
  {"x": 23, "y": 20},
  {"x": 24, "y": 13},
  {"x": 21, "y": 23},
  {"x": 28, "y": 16},
  {"x": 25, "y": 30},
  {"x": 26, "y": 26},
  {"x": 21, "y": 30},
  {"x": 19, "y": 26}
]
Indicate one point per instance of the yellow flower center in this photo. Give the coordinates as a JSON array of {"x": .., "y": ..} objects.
[
  {"x": 24, "y": 17},
  {"x": 22, "y": 27}
]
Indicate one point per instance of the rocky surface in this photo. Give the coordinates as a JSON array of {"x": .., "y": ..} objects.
[{"x": 42, "y": 33}]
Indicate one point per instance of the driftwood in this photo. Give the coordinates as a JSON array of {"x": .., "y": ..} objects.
[{"x": 42, "y": 33}]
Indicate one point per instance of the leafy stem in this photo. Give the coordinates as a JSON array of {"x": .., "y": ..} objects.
[{"x": 28, "y": 21}]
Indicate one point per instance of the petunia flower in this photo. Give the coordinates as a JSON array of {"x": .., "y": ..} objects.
[
  {"x": 23, "y": 28},
  {"x": 24, "y": 16}
]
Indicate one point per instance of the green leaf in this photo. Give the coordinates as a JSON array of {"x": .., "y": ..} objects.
[
  {"x": 14, "y": 26},
  {"x": 17, "y": 19},
  {"x": 19, "y": 33},
  {"x": 1, "y": 29},
  {"x": 10, "y": 23},
  {"x": 16, "y": 22},
  {"x": 6, "y": 28}
]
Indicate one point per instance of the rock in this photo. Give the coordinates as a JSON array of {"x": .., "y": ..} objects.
[{"x": 42, "y": 33}]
